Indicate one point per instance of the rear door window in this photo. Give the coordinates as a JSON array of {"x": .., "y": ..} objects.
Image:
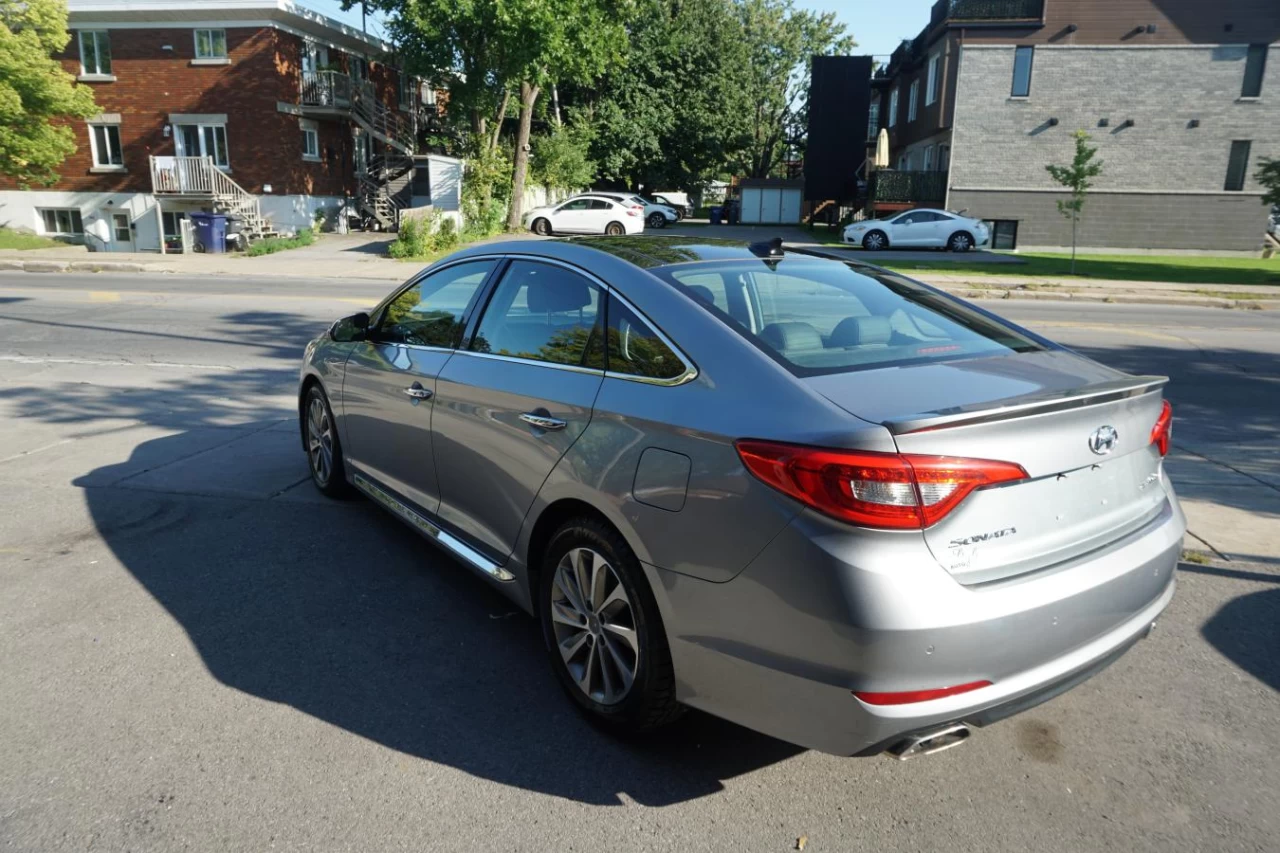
[{"x": 819, "y": 316}]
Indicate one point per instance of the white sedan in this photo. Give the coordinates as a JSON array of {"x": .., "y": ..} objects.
[
  {"x": 587, "y": 214},
  {"x": 920, "y": 228}
]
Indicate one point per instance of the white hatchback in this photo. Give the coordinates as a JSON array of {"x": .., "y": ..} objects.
[
  {"x": 920, "y": 228},
  {"x": 587, "y": 214}
]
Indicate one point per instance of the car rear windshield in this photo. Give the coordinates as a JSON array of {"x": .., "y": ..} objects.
[{"x": 818, "y": 316}]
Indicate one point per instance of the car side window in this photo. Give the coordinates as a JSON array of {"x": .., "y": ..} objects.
[
  {"x": 600, "y": 204},
  {"x": 543, "y": 312},
  {"x": 576, "y": 204},
  {"x": 430, "y": 313},
  {"x": 636, "y": 349}
]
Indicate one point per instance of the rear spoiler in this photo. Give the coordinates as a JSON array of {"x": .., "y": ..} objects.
[{"x": 1026, "y": 406}]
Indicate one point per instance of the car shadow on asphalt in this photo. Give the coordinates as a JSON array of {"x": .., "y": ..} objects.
[{"x": 1246, "y": 630}]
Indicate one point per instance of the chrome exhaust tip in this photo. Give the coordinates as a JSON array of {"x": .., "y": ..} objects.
[{"x": 930, "y": 742}]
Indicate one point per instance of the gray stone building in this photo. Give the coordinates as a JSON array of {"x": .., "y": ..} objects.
[{"x": 1181, "y": 98}]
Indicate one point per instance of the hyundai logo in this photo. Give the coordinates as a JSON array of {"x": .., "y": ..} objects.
[{"x": 1103, "y": 440}]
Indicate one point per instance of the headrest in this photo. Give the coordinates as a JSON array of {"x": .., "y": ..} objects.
[
  {"x": 791, "y": 336},
  {"x": 861, "y": 331},
  {"x": 548, "y": 293},
  {"x": 701, "y": 291}
]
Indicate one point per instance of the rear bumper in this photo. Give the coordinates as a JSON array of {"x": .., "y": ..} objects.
[{"x": 783, "y": 646}]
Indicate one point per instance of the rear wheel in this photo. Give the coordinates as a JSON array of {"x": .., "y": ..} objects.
[
  {"x": 603, "y": 633},
  {"x": 656, "y": 220},
  {"x": 615, "y": 229},
  {"x": 875, "y": 241},
  {"x": 542, "y": 227},
  {"x": 324, "y": 452},
  {"x": 960, "y": 242}
]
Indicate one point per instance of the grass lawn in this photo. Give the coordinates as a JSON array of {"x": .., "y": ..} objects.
[
  {"x": 10, "y": 239},
  {"x": 1189, "y": 269}
]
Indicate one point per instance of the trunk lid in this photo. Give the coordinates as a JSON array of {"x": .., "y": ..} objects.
[{"x": 1041, "y": 410}]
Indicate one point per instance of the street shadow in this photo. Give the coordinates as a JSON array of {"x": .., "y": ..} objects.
[
  {"x": 376, "y": 245},
  {"x": 336, "y": 609},
  {"x": 1246, "y": 630}
]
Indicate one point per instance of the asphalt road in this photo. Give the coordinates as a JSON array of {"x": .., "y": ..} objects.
[{"x": 197, "y": 652}]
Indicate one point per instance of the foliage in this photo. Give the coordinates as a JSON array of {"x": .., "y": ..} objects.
[
  {"x": 35, "y": 89},
  {"x": 562, "y": 158},
  {"x": 10, "y": 239},
  {"x": 427, "y": 235},
  {"x": 486, "y": 187},
  {"x": 1268, "y": 175},
  {"x": 1077, "y": 179},
  {"x": 271, "y": 245}
]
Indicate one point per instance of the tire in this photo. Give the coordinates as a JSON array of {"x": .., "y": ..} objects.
[
  {"x": 542, "y": 227},
  {"x": 615, "y": 229},
  {"x": 874, "y": 241},
  {"x": 961, "y": 241},
  {"x": 656, "y": 221},
  {"x": 626, "y": 631},
  {"x": 328, "y": 472}
]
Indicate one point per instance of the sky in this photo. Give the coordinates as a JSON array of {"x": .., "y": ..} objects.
[{"x": 877, "y": 25}]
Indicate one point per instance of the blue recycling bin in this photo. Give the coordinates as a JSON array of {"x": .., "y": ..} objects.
[
  {"x": 211, "y": 232},
  {"x": 715, "y": 215}
]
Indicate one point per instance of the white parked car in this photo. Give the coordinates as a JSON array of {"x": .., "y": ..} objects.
[
  {"x": 919, "y": 228},
  {"x": 655, "y": 215},
  {"x": 587, "y": 214}
]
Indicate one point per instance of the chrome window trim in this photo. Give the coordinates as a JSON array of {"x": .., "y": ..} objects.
[
  {"x": 431, "y": 269},
  {"x": 575, "y": 368},
  {"x": 690, "y": 369}
]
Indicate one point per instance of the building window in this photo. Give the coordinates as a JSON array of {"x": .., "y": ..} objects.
[
  {"x": 944, "y": 157},
  {"x": 173, "y": 230},
  {"x": 893, "y": 108},
  {"x": 913, "y": 101},
  {"x": 404, "y": 95},
  {"x": 203, "y": 140},
  {"x": 358, "y": 67},
  {"x": 1254, "y": 66},
  {"x": 928, "y": 158},
  {"x": 104, "y": 139},
  {"x": 211, "y": 44},
  {"x": 95, "y": 52},
  {"x": 1237, "y": 165},
  {"x": 873, "y": 120},
  {"x": 1022, "y": 58},
  {"x": 62, "y": 222},
  {"x": 1004, "y": 233},
  {"x": 932, "y": 90},
  {"x": 904, "y": 162},
  {"x": 310, "y": 140}
]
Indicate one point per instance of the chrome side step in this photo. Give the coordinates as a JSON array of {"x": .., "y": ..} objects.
[{"x": 451, "y": 543}]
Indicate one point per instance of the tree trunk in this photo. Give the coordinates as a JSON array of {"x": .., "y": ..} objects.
[
  {"x": 497, "y": 120},
  {"x": 1074, "y": 219},
  {"x": 528, "y": 97},
  {"x": 555, "y": 104}
]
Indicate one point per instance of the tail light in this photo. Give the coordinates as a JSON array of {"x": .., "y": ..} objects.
[
  {"x": 886, "y": 490},
  {"x": 633, "y": 211},
  {"x": 910, "y": 696},
  {"x": 1162, "y": 432}
]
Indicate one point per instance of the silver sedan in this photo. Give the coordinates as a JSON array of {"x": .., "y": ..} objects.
[{"x": 812, "y": 497}]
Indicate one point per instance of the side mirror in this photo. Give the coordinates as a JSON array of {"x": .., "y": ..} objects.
[{"x": 351, "y": 328}]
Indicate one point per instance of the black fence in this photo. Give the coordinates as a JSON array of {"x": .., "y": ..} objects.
[
  {"x": 986, "y": 10},
  {"x": 892, "y": 185}
]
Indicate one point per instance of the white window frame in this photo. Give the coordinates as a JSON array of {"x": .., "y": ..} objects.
[
  {"x": 932, "y": 88},
  {"x": 102, "y": 159},
  {"x": 893, "y": 107},
  {"x": 913, "y": 101},
  {"x": 211, "y": 58},
  {"x": 203, "y": 152},
  {"x": 99, "y": 37},
  {"x": 928, "y": 158},
  {"x": 310, "y": 131},
  {"x": 44, "y": 225}
]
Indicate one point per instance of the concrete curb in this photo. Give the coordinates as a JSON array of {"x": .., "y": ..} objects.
[
  {"x": 1097, "y": 294},
  {"x": 76, "y": 266}
]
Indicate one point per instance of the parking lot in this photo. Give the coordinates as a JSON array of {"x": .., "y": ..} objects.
[{"x": 199, "y": 652}]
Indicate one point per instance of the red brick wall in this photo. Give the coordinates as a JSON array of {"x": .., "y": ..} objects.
[{"x": 264, "y": 144}]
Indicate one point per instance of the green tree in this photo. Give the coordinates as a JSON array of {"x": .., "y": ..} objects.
[
  {"x": 35, "y": 91},
  {"x": 1077, "y": 178},
  {"x": 562, "y": 158},
  {"x": 1268, "y": 175}
]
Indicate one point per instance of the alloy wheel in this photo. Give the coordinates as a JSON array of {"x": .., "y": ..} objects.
[
  {"x": 594, "y": 625},
  {"x": 960, "y": 243},
  {"x": 320, "y": 440},
  {"x": 874, "y": 241}
]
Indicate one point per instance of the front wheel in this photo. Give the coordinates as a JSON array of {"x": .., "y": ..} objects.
[
  {"x": 603, "y": 633},
  {"x": 875, "y": 241},
  {"x": 615, "y": 229},
  {"x": 960, "y": 242},
  {"x": 542, "y": 227},
  {"x": 324, "y": 451}
]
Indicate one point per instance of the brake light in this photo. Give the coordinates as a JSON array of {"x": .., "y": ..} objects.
[
  {"x": 633, "y": 211},
  {"x": 910, "y": 696},
  {"x": 1162, "y": 432},
  {"x": 885, "y": 490}
]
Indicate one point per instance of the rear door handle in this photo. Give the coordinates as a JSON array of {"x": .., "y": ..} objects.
[
  {"x": 543, "y": 421},
  {"x": 417, "y": 392}
]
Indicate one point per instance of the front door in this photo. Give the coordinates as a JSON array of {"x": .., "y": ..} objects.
[
  {"x": 390, "y": 382},
  {"x": 120, "y": 231},
  {"x": 573, "y": 217},
  {"x": 912, "y": 229},
  {"x": 516, "y": 398}
]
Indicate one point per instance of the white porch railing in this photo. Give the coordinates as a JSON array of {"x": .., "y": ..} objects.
[{"x": 182, "y": 175}]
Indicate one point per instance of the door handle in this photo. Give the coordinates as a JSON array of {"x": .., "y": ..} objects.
[
  {"x": 417, "y": 392},
  {"x": 543, "y": 421}
]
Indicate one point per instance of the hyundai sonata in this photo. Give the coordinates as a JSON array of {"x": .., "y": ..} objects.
[{"x": 813, "y": 497}]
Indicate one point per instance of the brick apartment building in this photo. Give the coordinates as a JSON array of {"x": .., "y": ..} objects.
[
  {"x": 259, "y": 108},
  {"x": 1181, "y": 97}
]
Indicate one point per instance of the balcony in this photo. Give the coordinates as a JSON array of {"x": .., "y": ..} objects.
[
  {"x": 893, "y": 186},
  {"x": 326, "y": 89},
  {"x": 986, "y": 11}
]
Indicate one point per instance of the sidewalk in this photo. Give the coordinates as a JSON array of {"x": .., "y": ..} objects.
[{"x": 362, "y": 256}]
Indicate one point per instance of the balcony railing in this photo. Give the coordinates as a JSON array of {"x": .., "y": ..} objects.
[
  {"x": 183, "y": 175},
  {"x": 326, "y": 89},
  {"x": 893, "y": 185},
  {"x": 986, "y": 10}
]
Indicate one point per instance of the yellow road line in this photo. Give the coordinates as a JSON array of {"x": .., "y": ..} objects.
[{"x": 104, "y": 296}]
